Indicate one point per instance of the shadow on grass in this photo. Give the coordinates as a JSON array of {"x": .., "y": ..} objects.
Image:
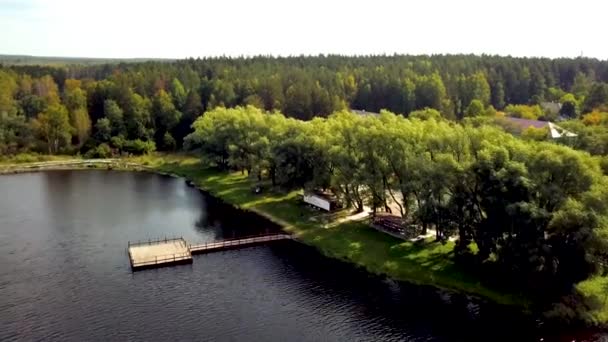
[{"x": 427, "y": 262}]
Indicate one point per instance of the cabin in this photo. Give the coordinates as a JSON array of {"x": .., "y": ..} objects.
[
  {"x": 321, "y": 200},
  {"x": 517, "y": 126}
]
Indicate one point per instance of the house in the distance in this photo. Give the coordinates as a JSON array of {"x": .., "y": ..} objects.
[
  {"x": 364, "y": 112},
  {"x": 517, "y": 126},
  {"x": 552, "y": 108}
]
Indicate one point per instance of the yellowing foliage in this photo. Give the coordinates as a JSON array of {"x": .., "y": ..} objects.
[
  {"x": 595, "y": 118},
  {"x": 524, "y": 111}
]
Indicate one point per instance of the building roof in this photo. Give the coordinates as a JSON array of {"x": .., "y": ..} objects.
[
  {"x": 326, "y": 195},
  {"x": 552, "y": 107},
  {"x": 555, "y": 131},
  {"x": 364, "y": 112},
  {"x": 525, "y": 123}
]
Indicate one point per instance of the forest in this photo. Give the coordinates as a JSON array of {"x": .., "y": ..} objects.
[
  {"x": 138, "y": 107},
  {"x": 529, "y": 212}
]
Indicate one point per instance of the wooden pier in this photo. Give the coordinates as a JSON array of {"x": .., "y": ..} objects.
[
  {"x": 155, "y": 253},
  {"x": 236, "y": 243},
  {"x": 165, "y": 252}
]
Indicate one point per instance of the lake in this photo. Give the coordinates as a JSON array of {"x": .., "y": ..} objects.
[{"x": 65, "y": 274}]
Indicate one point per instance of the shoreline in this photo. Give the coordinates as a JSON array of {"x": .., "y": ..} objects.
[
  {"x": 168, "y": 169},
  {"x": 165, "y": 169},
  {"x": 71, "y": 164}
]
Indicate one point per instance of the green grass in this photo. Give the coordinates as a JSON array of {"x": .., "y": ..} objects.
[
  {"x": 31, "y": 158},
  {"x": 425, "y": 262}
]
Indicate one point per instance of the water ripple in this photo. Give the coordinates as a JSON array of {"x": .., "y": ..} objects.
[{"x": 64, "y": 274}]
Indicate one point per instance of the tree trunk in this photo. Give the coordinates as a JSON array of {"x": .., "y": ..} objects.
[{"x": 273, "y": 176}]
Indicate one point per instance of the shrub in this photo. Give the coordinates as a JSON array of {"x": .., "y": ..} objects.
[
  {"x": 102, "y": 151},
  {"x": 139, "y": 146}
]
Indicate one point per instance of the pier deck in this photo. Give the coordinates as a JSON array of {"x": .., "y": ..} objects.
[{"x": 158, "y": 253}]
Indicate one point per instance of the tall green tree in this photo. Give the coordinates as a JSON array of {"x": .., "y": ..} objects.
[
  {"x": 53, "y": 127},
  {"x": 598, "y": 95}
]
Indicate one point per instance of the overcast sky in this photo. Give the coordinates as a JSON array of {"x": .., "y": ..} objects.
[{"x": 182, "y": 28}]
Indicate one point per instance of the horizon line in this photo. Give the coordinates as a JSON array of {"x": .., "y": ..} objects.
[{"x": 270, "y": 55}]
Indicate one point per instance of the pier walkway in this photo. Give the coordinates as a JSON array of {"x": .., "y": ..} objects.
[
  {"x": 165, "y": 252},
  {"x": 236, "y": 243}
]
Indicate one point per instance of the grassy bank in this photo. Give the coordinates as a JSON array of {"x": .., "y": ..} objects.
[
  {"x": 428, "y": 262},
  {"x": 425, "y": 263},
  {"x": 32, "y": 158}
]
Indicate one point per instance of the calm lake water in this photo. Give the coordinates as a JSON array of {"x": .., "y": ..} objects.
[{"x": 65, "y": 275}]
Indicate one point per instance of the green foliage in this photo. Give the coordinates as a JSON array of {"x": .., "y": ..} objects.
[
  {"x": 27, "y": 157},
  {"x": 598, "y": 96},
  {"x": 427, "y": 262},
  {"x": 569, "y": 106},
  {"x": 53, "y": 127},
  {"x": 103, "y": 129},
  {"x": 139, "y": 147},
  {"x": 166, "y": 116},
  {"x": 15, "y": 133},
  {"x": 430, "y": 92},
  {"x": 114, "y": 114},
  {"x": 178, "y": 93},
  {"x": 158, "y": 98},
  {"x": 524, "y": 112},
  {"x": 425, "y": 114},
  {"x": 8, "y": 88},
  {"x": 530, "y": 208},
  {"x": 536, "y": 134},
  {"x": 474, "y": 87},
  {"x": 474, "y": 109},
  {"x": 581, "y": 84},
  {"x": 555, "y": 94},
  {"x": 168, "y": 142},
  {"x": 591, "y": 135},
  {"x": 102, "y": 151}
]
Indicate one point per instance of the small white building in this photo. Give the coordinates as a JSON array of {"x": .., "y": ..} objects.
[{"x": 320, "y": 200}]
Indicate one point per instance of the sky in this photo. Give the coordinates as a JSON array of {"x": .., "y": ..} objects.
[{"x": 184, "y": 28}]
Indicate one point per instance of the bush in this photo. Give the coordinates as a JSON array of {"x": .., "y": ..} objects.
[
  {"x": 139, "y": 147},
  {"x": 27, "y": 158},
  {"x": 524, "y": 112},
  {"x": 118, "y": 142},
  {"x": 537, "y": 134},
  {"x": 474, "y": 109},
  {"x": 102, "y": 151},
  {"x": 425, "y": 114},
  {"x": 169, "y": 143}
]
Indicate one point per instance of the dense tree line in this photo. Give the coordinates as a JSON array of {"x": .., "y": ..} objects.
[
  {"x": 525, "y": 213},
  {"x": 138, "y": 107}
]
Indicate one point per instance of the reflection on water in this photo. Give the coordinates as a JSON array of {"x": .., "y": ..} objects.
[{"x": 64, "y": 274}]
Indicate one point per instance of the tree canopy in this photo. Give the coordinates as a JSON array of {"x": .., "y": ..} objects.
[
  {"x": 533, "y": 210},
  {"x": 160, "y": 100}
]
